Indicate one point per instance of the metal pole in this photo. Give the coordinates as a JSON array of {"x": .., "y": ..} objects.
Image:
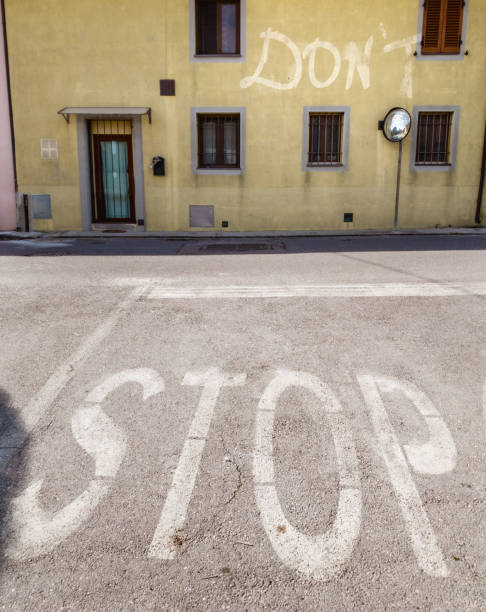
[{"x": 395, "y": 222}]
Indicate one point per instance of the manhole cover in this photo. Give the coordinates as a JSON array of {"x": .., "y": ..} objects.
[{"x": 221, "y": 248}]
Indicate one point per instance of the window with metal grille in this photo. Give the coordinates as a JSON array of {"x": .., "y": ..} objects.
[
  {"x": 217, "y": 27},
  {"x": 433, "y": 139},
  {"x": 218, "y": 141},
  {"x": 325, "y": 139},
  {"x": 442, "y": 27}
]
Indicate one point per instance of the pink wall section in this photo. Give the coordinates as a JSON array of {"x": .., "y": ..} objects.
[{"x": 8, "y": 220}]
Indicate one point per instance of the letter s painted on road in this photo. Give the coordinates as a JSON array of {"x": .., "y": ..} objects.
[{"x": 33, "y": 531}]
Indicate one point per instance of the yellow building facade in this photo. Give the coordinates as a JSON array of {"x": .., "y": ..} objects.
[{"x": 263, "y": 72}]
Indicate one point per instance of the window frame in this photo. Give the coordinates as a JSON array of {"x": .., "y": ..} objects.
[
  {"x": 194, "y": 57},
  {"x": 218, "y": 110},
  {"x": 453, "y": 139},
  {"x": 308, "y": 110},
  {"x": 219, "y": 141},
  {"x": 440, "y": 56}
]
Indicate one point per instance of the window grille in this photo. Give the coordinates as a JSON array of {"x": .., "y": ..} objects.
[
  {"x": 433, "y": 138},
  {"x": 325, "y": 139},
  {"x": 218, "y": 141}
]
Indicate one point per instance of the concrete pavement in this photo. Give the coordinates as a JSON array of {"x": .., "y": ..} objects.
[{"x": 295, "y": 423}]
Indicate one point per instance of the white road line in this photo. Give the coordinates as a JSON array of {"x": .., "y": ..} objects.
[
  {"x": 176, "y": 504},
  {"x": 321, "y": 556},
  {"x": 424, "y": 542},
  {"x": 44, "y": 398},
  {"x": 162, "y": 292}
]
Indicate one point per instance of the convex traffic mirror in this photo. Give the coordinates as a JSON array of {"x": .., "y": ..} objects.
[{"x": 396, "y": 124}]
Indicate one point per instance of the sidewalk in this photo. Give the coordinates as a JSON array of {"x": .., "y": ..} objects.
[{"x": 473, "y": 231}]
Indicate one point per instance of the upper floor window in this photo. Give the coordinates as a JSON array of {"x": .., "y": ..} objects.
[
  {"x": 442, "y": 27},
  {"x": 217, "y": 27}
]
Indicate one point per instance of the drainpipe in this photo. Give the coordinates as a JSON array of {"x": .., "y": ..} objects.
[{"x": 481, "y": 181}]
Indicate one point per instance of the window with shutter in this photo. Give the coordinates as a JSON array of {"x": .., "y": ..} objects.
[
  {"x": 217, "y": 27},
  {"x": 442, "y": 26},
  {"x": 218, "y": 140}
]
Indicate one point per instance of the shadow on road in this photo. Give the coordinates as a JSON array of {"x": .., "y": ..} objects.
[
  {"x": 11, "y": 438},
  {"x": 221, "y": 245}
]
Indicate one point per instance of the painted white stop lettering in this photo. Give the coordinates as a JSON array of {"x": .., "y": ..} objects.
[
  {"x": 320, "y": 557},
  {"x": 176, "y": 504},
  {"x": 33, "y": 531}
]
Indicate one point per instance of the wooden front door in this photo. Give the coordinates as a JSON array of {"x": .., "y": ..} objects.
[{"x": 113, "y": 172}]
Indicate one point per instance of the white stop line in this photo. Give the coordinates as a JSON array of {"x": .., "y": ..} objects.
[
  {"x": 163, "y": 292},
  {"x": 33, "y": 532}
]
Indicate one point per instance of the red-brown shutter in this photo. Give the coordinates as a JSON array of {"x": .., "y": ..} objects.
[
  {"x": 431, "y": 40},
  {"x": 451, "y": 40}
]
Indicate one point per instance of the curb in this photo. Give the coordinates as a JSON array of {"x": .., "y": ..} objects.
[{"x": 458, "y": 231}]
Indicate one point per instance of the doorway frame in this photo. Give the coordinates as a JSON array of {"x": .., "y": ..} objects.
[
  {"x": 85, "y": 182},
  {"x": 98, "y": 179}
]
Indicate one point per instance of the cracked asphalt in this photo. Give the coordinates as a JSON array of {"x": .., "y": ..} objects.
[{"x": 243, "y": 424}]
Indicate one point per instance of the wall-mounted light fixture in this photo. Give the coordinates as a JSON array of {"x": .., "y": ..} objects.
[{"x": 395, "y": 127}]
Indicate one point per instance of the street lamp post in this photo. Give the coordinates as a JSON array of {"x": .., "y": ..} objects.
[{"x": 395, "y": 127}]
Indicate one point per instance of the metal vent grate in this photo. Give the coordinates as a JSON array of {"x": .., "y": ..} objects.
[{"x": 167, "y": 87}]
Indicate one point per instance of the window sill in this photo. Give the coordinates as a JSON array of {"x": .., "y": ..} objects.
[
  {"x": 440, "y": 57},
  {"x": 220, "y": 171},
  {"x": 432, "y": 167},
  {"x": 325, "y": 168},
  {"x": 422, "y": 164},
  {"x": 324, "y": 165},
  {"x": 218, "y": 57}
]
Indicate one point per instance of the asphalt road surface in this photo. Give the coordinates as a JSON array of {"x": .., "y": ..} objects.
[{"x": 291, "y": 424}]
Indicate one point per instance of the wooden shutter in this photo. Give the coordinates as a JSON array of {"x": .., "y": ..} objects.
[
  {"x": 451, "y": 40},
  {"x": 432, "y": 30},
  {"x": 442, "y": 26}
]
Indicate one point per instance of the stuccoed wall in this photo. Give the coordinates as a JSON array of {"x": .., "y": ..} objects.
[{"x": 113, "y": 53}]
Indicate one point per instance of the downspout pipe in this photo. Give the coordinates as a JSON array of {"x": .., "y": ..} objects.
[
  {"x": 9, "y": 92},
  {"x": 481, "y": 181}
]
